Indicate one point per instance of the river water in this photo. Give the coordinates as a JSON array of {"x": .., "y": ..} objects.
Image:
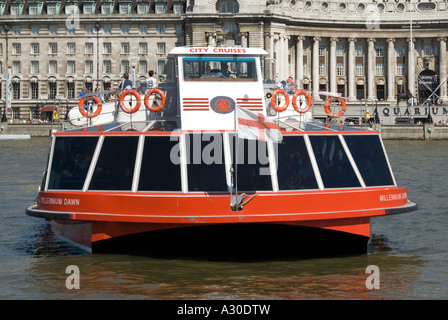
[{"x": 410, "y": 250}]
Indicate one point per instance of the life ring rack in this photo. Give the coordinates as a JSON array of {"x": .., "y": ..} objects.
[
  {"x": 84, "y": 112},
  {"x": 276, "y": 107},
  {"x": 309, "y": 101},
  {"x": 162, "y": 102},
  {"x": 338, "y": 114},
  {"x": 137, "y": 105}
]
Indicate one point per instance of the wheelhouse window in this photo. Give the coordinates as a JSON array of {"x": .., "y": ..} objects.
[
  {"x": 115, "y": 166},
  {"x": 219, "y": 69},
  {"x": 160, "y": 169},
  {"x": 294, "y": 166},
  {"x": 334, "y": 166},
  {"x": 205, "y": 162},
  {"x": 70, "y": 162},
  {"x": 368, "y": 153},
  {"x": 251, "y": 171}
]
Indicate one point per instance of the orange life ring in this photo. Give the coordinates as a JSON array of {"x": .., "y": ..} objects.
[
  {"x": 90, "y": 114},
  {"x": 162, "y": 103},
  {"x": 308, "y": 101},
  {"x": 122, "y": 104},
  {"x": 274, "y": 101},
  {"x": 331, "y": 114}
]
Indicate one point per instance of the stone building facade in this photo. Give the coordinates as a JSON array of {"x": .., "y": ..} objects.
[{"x": 364, "y": 49}]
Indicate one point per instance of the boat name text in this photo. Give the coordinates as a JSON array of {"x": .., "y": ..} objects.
[
  {"x": 394, "y": 196},
  {"x": 217, "y": 50},
  {"x": 59, "y": 201}
]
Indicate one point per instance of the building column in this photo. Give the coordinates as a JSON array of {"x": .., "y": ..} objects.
[
  {"x": 299, "y": 59},
  {"x": 333, "y": 65},
  {"x": 411, "y": 67},
  {"x": 391, "y": 70},
  {"x": 442, "y": 69},
  {"x": 315, "y": 68},
  {"x": 351, "y": 70},
  {"x": 211, "y": 36},
  {"x": 285, "y": 57},
  {"x": 371, "y": 69}
]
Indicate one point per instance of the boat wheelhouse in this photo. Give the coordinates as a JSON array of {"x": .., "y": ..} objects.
[{"x": 186, "y": 170}]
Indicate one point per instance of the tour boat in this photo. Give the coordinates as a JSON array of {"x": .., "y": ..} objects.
[{"x": 216, "y": 161}]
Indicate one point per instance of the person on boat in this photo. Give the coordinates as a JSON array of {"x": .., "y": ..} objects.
[
  {"x": 207, "y": 73},
  {"x": 152, "y": 82},
  {"x": 97, "y": 89},
  {"x": 125, "y": 84},
  {"x": 225, "y": 70},
  {"x": 82, "y": 94}
]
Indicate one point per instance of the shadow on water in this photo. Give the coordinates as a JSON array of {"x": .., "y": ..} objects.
[{"x": 237, "y": 242}]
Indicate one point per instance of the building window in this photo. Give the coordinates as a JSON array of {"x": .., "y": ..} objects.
[
  {"x": 359, "y": 51},
  {"x": 161, "y": 29},
  {"x": 107, "y": 29},
  {"x": 71, "y": 9},
  {"x": 106, "y": 8},
  {"x": 71, "y": 48},
  {"x": 400, "y": 69},
  {"x": 16, "y": 67},
  {"x": 107, "y": 66},
  {"x": 53, "y": 29},
  {"x": 359, "y": 69},
  {"x": 52, "y": 67},
  {"x": 143, "y": 67},
  {"x": 34, "y": 90},
  {"x": 143, "y": 48},
  {"x": 379, "y": 70},
  {"x": 124, "y": 8},
  {"x": 178, "y": 8},
  {"x": 229, "y": 7},
  {"x": 89, "y": 48},
  {"x": 53, "y": 48},
  {"x": 35, "y": 48},
  {"x": 124, "y": 66},
  {"x": 107, "y": 48},
  {"x": 379, "y": 51},
  {"x": 161, "y": 66},
  {"x": 125, "y": 48},
  {"x": 89, "y": 67},
  {"x": 143, "y": 29},
  {"x": 16, "y": 30},
  {"x": 34, "y": 30},
  {"x": 16, "y": 113},
  {"x": 400, "y": 51},
  {"x": 339, "y": 51},
  {"x": 125, "y": 29},
  {"x": 16, "y": 9},
  {"x": 142, "y": 8},
  {"x": 16, "y": 48},
  {"x": 89, "y": 8},
  {"x": 339, "y": 69},
  {"x": 305, "y": 68},
  {"x": 35, "y": 113},
  {"x": 161, "y": 47},
  {"x": 16, "y": 90},
  {"x": 321, "y": 68},
  {"x": 89, "y": 29},
  {"x": 179, "y": 29},
  {"x": 160, "y": 8},
  {"x": 71, "y": 64},
  {"x": 427, "y": 50},
  {"x": 321, "y": 51},
  {"x": 53, "y": 90},
  {"x": 70, "y": 90},
  {"x": 52, "y": 8},
  {"x": 33, "y": 9},
  {"x": 35, "y": 67}
]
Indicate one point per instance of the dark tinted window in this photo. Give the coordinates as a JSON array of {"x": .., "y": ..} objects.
[
  {"x": 159, "y": 171},
  {"x": 252, "y": 168},
  {"x": 115, "y": 167},
  {"x": 334, "y": 166},
  {"x": 71, "y": 161},
  {"x": 205, "y": 162},
  {"x": 294, "y": 165},
  {"x": 370, "y": 159}
]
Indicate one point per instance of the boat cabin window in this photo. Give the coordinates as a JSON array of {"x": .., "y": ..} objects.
[
  {"x": 334, "y": 166},
  {"x": 71, "y": 161},
  {"x": 160, "y": 168},
  {"x": 220, "y": 69},
  {"x": 294, "y": 168},
  {"x": 205, "y": 162},
  {"x": 115, "y": 166},
  {"x": 252, "y": 168},
  {"x": 368, "y": 153}
]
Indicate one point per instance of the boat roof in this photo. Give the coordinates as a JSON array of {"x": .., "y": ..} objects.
[{"x": 177, "y": 51}]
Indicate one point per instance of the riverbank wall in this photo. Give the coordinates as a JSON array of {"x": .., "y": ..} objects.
[{"x": 388, "y": 132}]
